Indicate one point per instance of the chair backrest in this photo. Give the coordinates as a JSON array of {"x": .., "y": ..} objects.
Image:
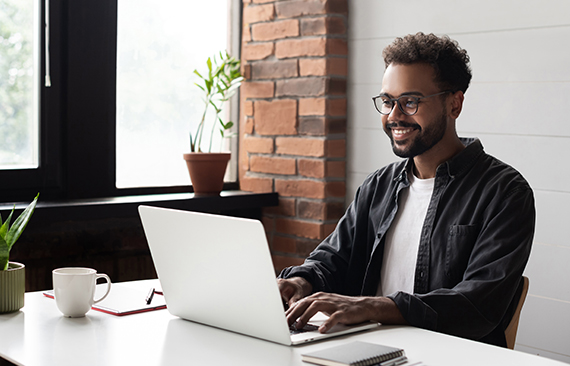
[{"x": 511, "y": 331}]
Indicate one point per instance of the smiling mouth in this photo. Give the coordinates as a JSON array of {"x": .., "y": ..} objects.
[{"x": 399, "y": 133}]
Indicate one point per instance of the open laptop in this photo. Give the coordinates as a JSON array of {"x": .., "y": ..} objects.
[{"x": 217, "y": 270}]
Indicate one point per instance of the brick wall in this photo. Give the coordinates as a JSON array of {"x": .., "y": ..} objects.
[{"x": 293, "y": 118}]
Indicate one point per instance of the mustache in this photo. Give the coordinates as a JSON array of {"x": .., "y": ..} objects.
[{"x": 402, "y": 124}]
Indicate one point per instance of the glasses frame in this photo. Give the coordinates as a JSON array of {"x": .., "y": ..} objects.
[{"x": 395, "y": 101}]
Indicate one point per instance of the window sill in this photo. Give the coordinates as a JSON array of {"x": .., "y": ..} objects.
[{"x": 238, "y": 203}]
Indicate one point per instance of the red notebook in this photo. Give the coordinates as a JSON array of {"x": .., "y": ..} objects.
[{"x": 124, "y": 300}]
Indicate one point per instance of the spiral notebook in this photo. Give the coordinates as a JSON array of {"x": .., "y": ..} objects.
[{"x": 357, "y": 354}]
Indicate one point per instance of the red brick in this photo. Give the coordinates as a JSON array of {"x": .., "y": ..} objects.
[
  {"x": 321, "y": 126},
  {"x": 335, "y": 169},
  {"x": 312, "y": 106},
  {"x": 284, "y": 244},
  {"x": 310, "y": 188},
  {"x": 336, "y": 107},
  {"x": 287, "y": 207},
  {"x": 313, "y": 67},
  {"x": 301, "y": 47},
  {"x": 304, "y": 247},
  {"x": 268, "y": 225},
  {"x": 258, "y": 89},
  {"x": 322, "y": 106},
  {"x": 305, "y": 229},
  {"x": 328, "y": 229},
  {"x": 322, "y": 26},
  {"x": 323, "y": 66},
  {"x": 246, "y": 71},
  {"x": 335, "y": 189},
  {"x": 292, "y": 9},
  {"x": 301, "y": 188},
  {"x": 259, "y": 185},
  {"x": 335, "y": 148},
  {"x": 314, "y": 168},
  {"x": 248, "y": 108},
  {"x": 313, "y": 26},
  {"x": 300, "y": 146},
  {"x": 262, "y": 145},
  {"x": 337, "y": 46},
  {"x": 319, "y": 210},
  {"x": 275, "y": 30},
  {"x": 246, "y": 34},
  {"x": 301, "y": 87},
  {"x": 274, "y": 69},
  {"x": 272, "y": 165},
  {"x": 257, "y": 51},
  {"x": 281, "y": 262},
  {"x": 276, "y": 117},
  {"x": 248, "y": 125},
  {"x": 258, "y": 13},
  {"x": 337, "y": 66}
]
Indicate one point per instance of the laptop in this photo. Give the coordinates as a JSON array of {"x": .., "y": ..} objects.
[{"x": 217, "y": 270}]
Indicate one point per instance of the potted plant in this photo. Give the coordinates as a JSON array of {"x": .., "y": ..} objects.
[
  {"x": 221, "y": 81},
  {"x": 12, "y": 274}
]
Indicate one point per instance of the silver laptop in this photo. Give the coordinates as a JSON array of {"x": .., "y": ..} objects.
[{"x": 217, "y": 270}]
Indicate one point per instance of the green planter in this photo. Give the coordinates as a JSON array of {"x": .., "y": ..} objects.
[{"x": 12, "y": 287}]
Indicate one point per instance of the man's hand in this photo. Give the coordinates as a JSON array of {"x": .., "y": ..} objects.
[
  {"x": 344, "y": 310},
  {"x": 294, "y": 289}
]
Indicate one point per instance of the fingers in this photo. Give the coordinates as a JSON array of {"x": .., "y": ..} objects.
[
  {"x": 293, "y": 289},
  {"x": 301, "y": 311},
  {"x": 341, "y": 309}
]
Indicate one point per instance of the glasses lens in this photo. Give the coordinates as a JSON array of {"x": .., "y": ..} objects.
[
  {"x": 409, "y": 105},
  {"x": 383, "y": 105}
]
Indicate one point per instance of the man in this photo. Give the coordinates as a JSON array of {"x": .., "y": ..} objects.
[{"x": 439, "y": 240}]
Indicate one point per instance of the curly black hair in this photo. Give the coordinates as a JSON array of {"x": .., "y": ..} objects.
[{"x": 450, "y": 62}]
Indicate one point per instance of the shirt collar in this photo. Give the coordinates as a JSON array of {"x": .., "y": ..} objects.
[{"x": 458, "y": 164}]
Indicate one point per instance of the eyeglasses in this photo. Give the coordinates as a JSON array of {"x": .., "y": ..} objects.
[{"x": 408, "y": 104}]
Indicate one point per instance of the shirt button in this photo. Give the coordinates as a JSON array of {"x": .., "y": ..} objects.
[{"x": 422, "y": 274}]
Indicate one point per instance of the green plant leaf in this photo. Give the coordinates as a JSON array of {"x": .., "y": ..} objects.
[
  {"x": 4, "y": 254},
  {"x": 20, "y": 223},
  {"x": 6, "y": 225},
  {"x": 197, "y": 73}
]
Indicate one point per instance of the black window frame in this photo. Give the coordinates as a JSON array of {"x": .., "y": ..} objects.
[{"x": 77, "y": 113}]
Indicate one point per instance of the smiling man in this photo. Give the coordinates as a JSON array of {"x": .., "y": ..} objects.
[{"x": 438, "y": 240}]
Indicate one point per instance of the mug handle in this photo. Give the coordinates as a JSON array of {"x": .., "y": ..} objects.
[{"x": 108, "y": 280}]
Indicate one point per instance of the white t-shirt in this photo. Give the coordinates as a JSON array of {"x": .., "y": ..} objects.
[{"x": 403, "y": 238}]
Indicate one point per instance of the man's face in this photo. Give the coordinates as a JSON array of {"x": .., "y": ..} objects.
[{"x": 413, "y": 135}]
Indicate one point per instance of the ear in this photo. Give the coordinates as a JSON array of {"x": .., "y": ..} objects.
[{"x": 456, "y": 104}]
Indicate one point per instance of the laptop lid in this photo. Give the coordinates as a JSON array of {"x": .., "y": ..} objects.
[{"x": 217, "y": 270}]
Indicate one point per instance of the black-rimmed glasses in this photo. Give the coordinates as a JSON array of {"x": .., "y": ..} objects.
[{"x": 408, "y": 104}]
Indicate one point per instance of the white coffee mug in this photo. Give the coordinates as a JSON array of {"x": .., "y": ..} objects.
[{"x": 74, "y": 290}]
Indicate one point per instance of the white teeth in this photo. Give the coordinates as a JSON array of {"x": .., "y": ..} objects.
[{"x": 401, "y": 132}]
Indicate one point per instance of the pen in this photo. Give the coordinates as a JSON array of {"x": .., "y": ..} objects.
[{"x": 149, "y": 296}]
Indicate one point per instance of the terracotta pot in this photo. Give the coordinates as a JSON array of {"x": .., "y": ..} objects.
[
  {"x": 207, "y": 171},
  {"x": 12, "y": 287}
]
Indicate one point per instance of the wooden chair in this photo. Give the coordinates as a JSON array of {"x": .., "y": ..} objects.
[{"x": 511, "y": 331}]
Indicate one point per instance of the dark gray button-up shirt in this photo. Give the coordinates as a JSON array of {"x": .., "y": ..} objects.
[{"x": 474, "y": 245}]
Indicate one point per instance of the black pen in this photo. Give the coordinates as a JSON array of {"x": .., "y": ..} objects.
[{"x": 149, "y": 296}]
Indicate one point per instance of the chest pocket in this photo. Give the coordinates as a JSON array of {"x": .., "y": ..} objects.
[{"x": 460, "y": 243}]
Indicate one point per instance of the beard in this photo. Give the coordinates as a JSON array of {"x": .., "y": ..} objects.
[{"x": 424, "y": 140}]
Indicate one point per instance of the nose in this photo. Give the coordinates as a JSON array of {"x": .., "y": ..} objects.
[{"x": 396, "y": 113}]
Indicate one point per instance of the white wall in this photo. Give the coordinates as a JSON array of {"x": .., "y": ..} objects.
[{"x": 518, "y": 105}]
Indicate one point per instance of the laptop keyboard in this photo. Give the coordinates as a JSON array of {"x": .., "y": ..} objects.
[{"x": 307, "y": 328}]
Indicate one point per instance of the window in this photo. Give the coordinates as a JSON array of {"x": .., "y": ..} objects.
[
  {"x": 158, "y": 49},
  {"x": 19, "y": 67},
  {"x": 78, "y": 143}
]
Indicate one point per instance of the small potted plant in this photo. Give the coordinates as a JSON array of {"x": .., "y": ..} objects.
[
  {"x": 12, "y": 274},
  {"x": 221, "y": 81}
]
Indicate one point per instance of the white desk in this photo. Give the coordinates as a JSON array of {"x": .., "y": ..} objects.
[{"x": 39, "y": 335}]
